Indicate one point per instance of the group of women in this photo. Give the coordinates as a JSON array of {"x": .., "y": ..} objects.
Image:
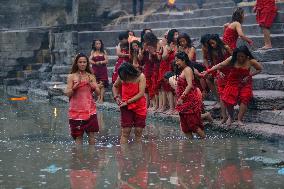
[{"x": 163, "y": 75}]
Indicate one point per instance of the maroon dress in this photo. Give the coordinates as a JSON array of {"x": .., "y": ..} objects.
[
  {"x": 191, "y": 108},
  {"x": 100, "y": 70}
]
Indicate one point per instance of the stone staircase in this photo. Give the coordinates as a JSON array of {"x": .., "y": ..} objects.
[{"x": 268, "y": 102}]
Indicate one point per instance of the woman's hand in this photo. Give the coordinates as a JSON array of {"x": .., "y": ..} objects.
[
  {"x": 123, "y": 104},
  {"x": 222, "y": 75},
  {"x": 179, "y": 101}
]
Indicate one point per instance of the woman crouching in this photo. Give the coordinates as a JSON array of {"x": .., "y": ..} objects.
[{"x": 132, "y": 101}]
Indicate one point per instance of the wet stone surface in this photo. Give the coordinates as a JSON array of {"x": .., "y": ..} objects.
[{"x": 37, "y": 152}]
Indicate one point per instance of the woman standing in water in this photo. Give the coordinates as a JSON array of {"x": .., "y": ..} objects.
[
  {"x": 132, "y": 101},
  {"x": 99, "y": 60},
  {"x": 82, "y": 108},
  {"x": 239, "y": 82},
  {"x": 189, "y": 98}
]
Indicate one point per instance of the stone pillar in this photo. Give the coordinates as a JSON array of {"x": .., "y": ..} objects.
[{"x": 75, "y": 10}]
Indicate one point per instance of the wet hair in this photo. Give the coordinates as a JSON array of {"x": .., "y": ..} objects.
[
  {"x": 151, "y": 39},
  {"x": 143, "y": 33},
  {"x": 131, "y": 31},
  {"x": 187, "y": 39},
  {"x": 184, "y": 57},
  {"x": 168, "y": 75},
  {"x": 171, "y": 35},
  {"x": 123, "y": 35},
  {"x": 241, "y": 49},
  {"x": 102, "y": 50},
  {"x": 220, "y": 49},
  {"x": 238, "y": 15},
  {"x": 205, "y": 38},
  {"x": 75, "y": 67},
  {"x": 127, "y": 70}
]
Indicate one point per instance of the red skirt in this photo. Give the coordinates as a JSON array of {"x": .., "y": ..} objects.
[
  {"x": 190, "y": 122},
  {"x": 265, "y": 19},
  {"x": 78, "y": 127},
  {"x": 131, "y": 119}
]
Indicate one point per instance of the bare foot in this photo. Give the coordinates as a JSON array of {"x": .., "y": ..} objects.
[
  {"x": 224, "y": 120},
  {"x": 170, "y": 112},
  {"x": 229, "y": 122},
  {"x": 216, "y": 105},
  {"x": 209, "y": 117},
  {"x": 240, "y": 123},
  {"x": 265, "y": 47}
]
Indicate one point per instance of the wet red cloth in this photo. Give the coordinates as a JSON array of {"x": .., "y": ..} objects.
[
  {"x": 119, "y": 61},
  {"x": 230, "y": 37},
  {"x": 78, "y": 127},
  {"x": 166, "y": 66},
  {"x": 155, "y": 76},
  {"x": 131, "y": 119},
  {"x": 148, "y": 67},
  {"x": 129, "y": 90},
  {"x": 266, "y": 11},
  {"x": 236, "y": 90},
  {"x": 191, "y": 108},
  {"x": 82, "y": 105},
  {"x": 100, "y": 71}
]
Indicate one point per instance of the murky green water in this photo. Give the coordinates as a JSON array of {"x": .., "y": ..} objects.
[{"x": 36, "y": 151}]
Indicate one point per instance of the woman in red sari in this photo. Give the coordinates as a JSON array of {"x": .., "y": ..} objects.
[
  {"x": 238, "y": 88},
  {"x": 219, "y": 52},
  {"x": 132, "y": 101},
  {"x": 168, "y": 58},
  {"x": 266, "y": 11},
  {"x": 189, "y": 98},
  {"x": 99, "y": 60},
  {"x": 82, "y": 110},
  {"x": 233, "y": 30},
  {"x": 122, "y": 51}
]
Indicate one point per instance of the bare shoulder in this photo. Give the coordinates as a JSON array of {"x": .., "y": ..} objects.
[
  {"x": 70, "y": 76},
  {"x": 142, "y": 76}
]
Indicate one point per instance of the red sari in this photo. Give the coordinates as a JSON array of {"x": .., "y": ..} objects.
[
  {"x": 266, "y": 11},
  {"x": 166, "y": 66},
  {"x": 134, "y": 114},
  {"x": 230, "y": 37},
  {"x": 118, "y": 63},
  {"x": 100, "y": 71},
  {"x": 155, "y": 76},
  {"x": 190, "y": 109},
  {"x": 148, "y": 71},
  {"x": 236, "y": 90},
  {"x": 82, "y": 111}
]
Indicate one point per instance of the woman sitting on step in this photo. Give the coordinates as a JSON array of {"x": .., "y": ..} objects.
[{"x": 238, "y": 88}]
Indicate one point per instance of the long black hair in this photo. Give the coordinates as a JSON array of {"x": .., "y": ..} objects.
[
  {"x": 187, "y": 39},
  {"x": 150, "y": 39},
  {"x": 238, "y": 15},
  {"x": 220, "y": 49},
  {"x": 171, "y": 35},
  {"x": 204, "y": 39},
  {"x": 184, "y": 57},
  {"x": 127, "y": 70},
  {"x": 241, "y": 49},
  {"x": 143, "y": 33},
  {"x": 102, "y": 50}
]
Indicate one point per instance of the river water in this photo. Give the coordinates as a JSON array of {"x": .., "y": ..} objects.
[{"x": 36, "y": 151}]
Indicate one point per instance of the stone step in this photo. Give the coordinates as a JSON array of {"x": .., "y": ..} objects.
[
  {"x": 273, "y": 68},
  {"x": 273, "y": 54},
  {"x": 38, "y": 95},
  {"x": 28, "y": 74},
  {"x": 56, "y": 90},
  {"x": 275, "y": 117},
  {"x": 35, "y": 66},
  {"x": 110, "y": 37},
  {"x": 267, "y": 100},
  {"x": 61, "y": 69},
  {"x": 13, "y": 81},
  {"x": 16, "y": 90},
  {"x": 268, "y": 82},
  {"x": 193, "y": 22},
  {"x": 219, "y": 11},
  {"x": 47, "y": 84}
]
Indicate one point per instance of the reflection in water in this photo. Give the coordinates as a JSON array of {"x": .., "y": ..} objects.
[{"x": 36, "y": 135}]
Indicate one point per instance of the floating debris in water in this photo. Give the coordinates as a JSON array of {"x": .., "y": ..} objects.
[
  {"x": 266, "y": 161},
  {"x": 52, "y": 169},
  {"x": 281, "y": 171}
]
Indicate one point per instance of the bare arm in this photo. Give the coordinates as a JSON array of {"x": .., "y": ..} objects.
[
  {"x": 229, "y": 50},
  {"x": 91, "y": 58},
  {"x": 119, "y": 54},
  {"x": 116, "y": 87},
  {"x": 257, "y": 66},
  {"x": 142, "y": 86},
  {"x": 69, "y": 91},
  {"x": 106, "y": 59},
  {"x": 93, "y": 84},
  {"x": 189, "y": 77},
  {"x": 205, "y": 58},
  {"x": 241, "y": 33},
  {"x": 165, "y": 53},
  {"x": 191, "y": 53},
  {"x": 220, "y": 65}
]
